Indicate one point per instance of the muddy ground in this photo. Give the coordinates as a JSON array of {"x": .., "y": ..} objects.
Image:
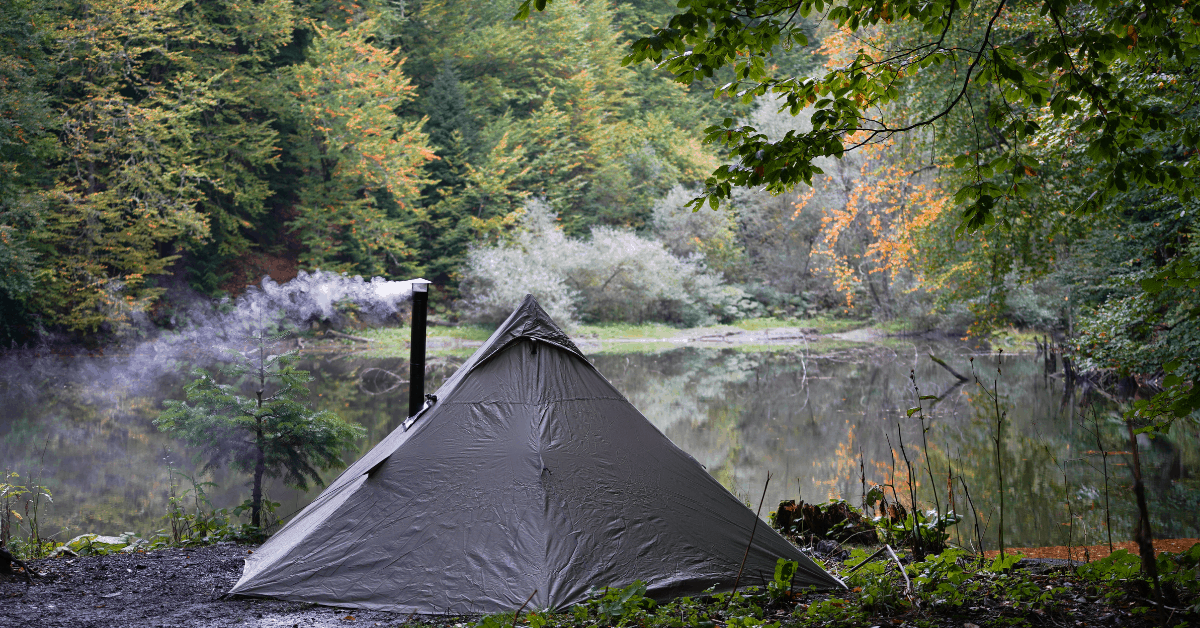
[
  {"x": 168, "y": 588},
  {"x": 185, "y": 588}
]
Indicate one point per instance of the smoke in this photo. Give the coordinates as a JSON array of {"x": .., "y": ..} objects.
[
  {"x": 79, "y": 421},
  {"x": 205, "y": 331},
  {"x": 318, "y": 295}
]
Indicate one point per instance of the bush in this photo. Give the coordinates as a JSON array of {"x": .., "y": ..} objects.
[
  {"x": 706, "y": 232},
  {"x": 617, "y": 275},
  {"x": 1036, "y": 305}
]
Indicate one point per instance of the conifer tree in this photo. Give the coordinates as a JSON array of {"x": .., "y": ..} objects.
[
  {"x": 274, "y": 433},
  {"x": 451, "y": 127}
]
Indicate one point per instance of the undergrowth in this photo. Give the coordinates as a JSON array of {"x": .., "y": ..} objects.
[
  {"x": 190, "y": 520},
  {"x": 947, "y": 588}
]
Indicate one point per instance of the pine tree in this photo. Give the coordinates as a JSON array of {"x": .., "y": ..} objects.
[
  {"x": 451, "y": 128},
  {"x": 274, "y": 434}
]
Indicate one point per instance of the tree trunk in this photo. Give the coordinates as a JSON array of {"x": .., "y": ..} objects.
[
  {"x": 1141, "y": 532},
  {"x": 260, "y": 466},
  {"x": 260, "y": 463}
]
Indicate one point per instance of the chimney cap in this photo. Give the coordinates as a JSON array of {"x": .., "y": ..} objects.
[{"x": 420, "y": 285}]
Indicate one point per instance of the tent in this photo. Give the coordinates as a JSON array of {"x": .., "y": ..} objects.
[{"x": 529, "y": 473}]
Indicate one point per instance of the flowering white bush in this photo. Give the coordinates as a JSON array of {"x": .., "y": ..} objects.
[{"x": 617, "y": 275}]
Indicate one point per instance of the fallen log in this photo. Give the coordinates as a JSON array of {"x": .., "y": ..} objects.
[
  {"x": 942, "y": 363},
  {"x": 338, "y": 334}
]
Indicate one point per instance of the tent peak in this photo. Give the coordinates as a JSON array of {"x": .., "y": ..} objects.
[{"x": 529, "y": 320}]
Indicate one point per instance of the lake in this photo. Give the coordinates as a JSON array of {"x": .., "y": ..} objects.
[{"x": 824, "y": 423}]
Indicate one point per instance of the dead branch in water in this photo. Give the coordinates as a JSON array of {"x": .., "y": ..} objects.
[
  {"x": 374, "y": 377},
  {"x": 942, "y": 363}
]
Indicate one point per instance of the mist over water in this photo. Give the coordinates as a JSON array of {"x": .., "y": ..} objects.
[
  {"x": 84, "y": 424},
  {"x": 206, "y": 331},
  {"x": 81, "y": 424}
]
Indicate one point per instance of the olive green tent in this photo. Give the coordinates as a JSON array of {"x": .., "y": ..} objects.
[{"x": 530, "y": 475}]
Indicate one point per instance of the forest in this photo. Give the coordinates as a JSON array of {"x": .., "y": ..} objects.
[{"x": 623, "y": 161}]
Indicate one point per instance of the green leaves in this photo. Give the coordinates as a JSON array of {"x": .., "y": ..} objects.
[
  {"x": 1004, "y": 562},
  {"x": 1021, "y": 66},
  {"x": 360, "y": 157}
]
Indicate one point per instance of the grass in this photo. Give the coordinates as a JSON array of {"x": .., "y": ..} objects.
[
  {"x": 823, "y": 324},
  {"x": 662, "y": 331},
  {"x": 615, "y": 331},
  {"x": 622, "y": 348},
  {"x": 388, "y": 342},
  {"x": 462, "y": 332},
  {"x": 613, "y": 338},
  {"x": 401, "y": 335}
]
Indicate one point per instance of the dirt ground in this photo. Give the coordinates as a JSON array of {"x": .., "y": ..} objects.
[
  {"x": 167, "y": 588},
  {"x": 185, "y": 588},
  {"x": 1096, "y": 552}
]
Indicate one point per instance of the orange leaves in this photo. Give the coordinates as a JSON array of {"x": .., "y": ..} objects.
[
  {"x": 362, "y": 150},
  {"x": 802, "y": 202},
  {"x": 870, "y": 230}
]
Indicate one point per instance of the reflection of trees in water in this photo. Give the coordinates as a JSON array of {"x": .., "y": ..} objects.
[
  {"x": 106, "y": 462},
  {"x": 807, "y": 419},
  {"x": 740, "y": 413},
  {"x": 84, "y": 427}
]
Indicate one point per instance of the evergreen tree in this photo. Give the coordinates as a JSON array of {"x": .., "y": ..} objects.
[
  {"x": 451, "y": 127},
  {"x": 273, "y": 434}
]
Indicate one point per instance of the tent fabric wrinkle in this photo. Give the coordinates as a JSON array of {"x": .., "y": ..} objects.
[{"x": 530, "y": 472}]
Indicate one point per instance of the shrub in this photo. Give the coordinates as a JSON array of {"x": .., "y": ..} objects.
[
  {"x": 706, "y": 232},
  {"x": 616, "y": 275}
]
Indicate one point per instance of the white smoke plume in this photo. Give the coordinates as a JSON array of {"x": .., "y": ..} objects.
[{"x": 205, "y": 331}]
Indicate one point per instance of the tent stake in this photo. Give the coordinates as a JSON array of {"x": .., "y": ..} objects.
[
  {"x": 518, "y": 613},
  {"x": 753, "y": 529}
]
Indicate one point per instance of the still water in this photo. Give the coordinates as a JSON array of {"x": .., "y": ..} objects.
[{"x": 824, "y": 426}]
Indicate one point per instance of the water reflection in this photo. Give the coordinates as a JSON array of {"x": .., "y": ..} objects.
[
  {"x": 828, "y": 426},
  {"x": 823, "y": 425}
]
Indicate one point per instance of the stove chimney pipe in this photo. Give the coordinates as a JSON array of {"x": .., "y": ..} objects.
[{"x": 416, "y": 368}]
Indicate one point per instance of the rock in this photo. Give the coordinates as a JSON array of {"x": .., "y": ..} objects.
[
  {"x": 62, "y": 550},
  {"x": 97, "y": 544},
  {"x": 826, "y": 547}
]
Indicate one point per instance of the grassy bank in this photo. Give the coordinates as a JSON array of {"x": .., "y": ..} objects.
[
  {"x": 759, "y": 334},
  {"x": 818, "y": 336}
]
